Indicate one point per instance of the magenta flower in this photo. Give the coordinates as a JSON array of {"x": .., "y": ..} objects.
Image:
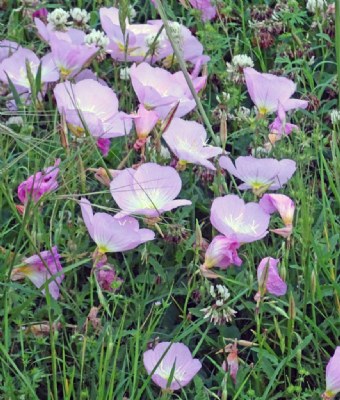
[
  {"x": 159, "y": 90},
  {"x": 206, "y": 7},
  {"x": 168, "y": 360},
  {"x": 104, "y": 146},
  {"x": 7, "y": 48},
  {"x": 333, "y": 376},
  {"x": 39, "y": 269},
  {"x": 232, "y": 217},
  {"x": 269, "y": 279},
  {"x": 15, "y": 68},
  {"x": 91, "y": 104},
  {"x": 260, "y": 174},
  {"x": 47, "y": 33},
  {"x": 107, "y": 277},
  {"x": 187, "y": 140},
  {"x": 284, "y": 206},
  {"x": 111, "y": 234},
  {"x": 268, "y": 91},
  {"x": 70, "y": 58},
  {"x": 222, "y": 252},
  {"x": 39, "y": 184},
  {"x": 41, "y": 14},
  {"x": 144, "y": 121},
  {"x": 150, "y": 190}
]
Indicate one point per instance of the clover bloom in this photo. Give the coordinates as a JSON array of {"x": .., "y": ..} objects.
[
  {"x": 187, "y": 140},
  {"x": 144, "y": 121},
  {"x": 206, "y": 7},
  {"x": 39, "y": 184},
  {"x": 7, "y": 48},
  {"x": 268, "y": 91},
  {"x": 70, "y": 58},
  {"x": 111, "y": 234},
  {"x": 150, "y": 190},
  {"x": 168, "y": 360},
  {"x": 222, "y": 253},
  {"x": 16, "y": 69},
  {"x": 39, "y": 269},
  {"x": 159, "y": 90},
  {"x": 333, "y": 376},
  {"x": 260, "y": 174},
  {"x": 92, "y": 105},
  {"x": 269, "y": 279},
  {"x": 246, "y": 222},
  {"x": 284, "y": 206}
]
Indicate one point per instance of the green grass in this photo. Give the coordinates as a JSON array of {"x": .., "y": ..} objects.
[{"x": 162, "y": 293}]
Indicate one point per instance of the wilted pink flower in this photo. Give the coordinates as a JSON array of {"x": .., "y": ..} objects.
[
  {"x": 144, "y": 121},
  {"x": 159, "y": 90},
  {"x": 40, "y": 268},
  {"x": 15, "y": 68},
  {"x": 333, "y": 376},
  {"x": 268, "y": 91},
  {"x": 111, "y": 234},
  {"x": 206, "y": 7},
  {"x": 47, "y": 32},
  {"x": 39, "y": 184},
  {"x": 150, "y": 190},
  {"x": 260, "y": 174},
  {"x": 104, "y": 146},
  {"x": 70, "y": 58},
  {"x": 269, "y": 279},
  {"x": 107, "y": 277},
  {"x": 232, "y": 217},
  {"x": 232, "y": 363},
  {"x": 7, "y": 48},
  {"x": 279, "y": 126},
  {"x": 88, "y": 103},
  {"x": 284, "y": 206},
  {"x": 168, "y": 360},
  {"x": 222, "y": 252},
  {"x": 187, "y": 140},
  {"x": 135, "y": 44},
  {"x": 41, "y": 14}
]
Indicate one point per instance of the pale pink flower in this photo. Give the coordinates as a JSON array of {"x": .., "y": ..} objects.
[
  {"x": 144, "y": 121},
  {"x": 89, "y": 103},
  {"x": 187, "y": 140},
  {"x": 111, "y": 234},
  {"x": 284, "y": 206},
  {"x": 222, "y": 252},
  {"x": 150, "y": 190},
  {"x": 7, "y": 48},
  {"x": 39, "y": 269},
  {"x": 206, "y": 7},
  {"x": 159, "y": 90},
  {"x": 269, "y": 279},
  {"x": 15, "y": 68},
  {"x": 279, "y": 126},
  {"x": 268, "y": 91},
  {"x": 333, "y": 376},
  {"x": 260, "y": 174},
  {"x": 232, "y": 217},
  {"x": 48, "y": 33},
  {"x": 171, "y": 359},
  {"x": 70, "y": 58},
  {"x": 39, "y": 184}
]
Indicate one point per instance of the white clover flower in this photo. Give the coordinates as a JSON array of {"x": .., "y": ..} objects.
[
  {"x": 165, "y": 153},
  {"x": 80, "y": 17},
  {"x": 58, "y": 18},
  {"x": 124, "y": 73},
  {"x": 97, "y": 38},
  {"x": 335, "y": 116},
  {"x": 132, "y": 13},
  {"x": 219, "y": 312},
  {"x": 315, "y": 5},
  {"x": 242, "y": 61},
  {"x": 15, "y": 121}
]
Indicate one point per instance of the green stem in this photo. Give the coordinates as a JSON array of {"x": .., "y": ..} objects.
[
  {"x": 337, "y": 41},
  {"x": 185, "y": 71}
]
